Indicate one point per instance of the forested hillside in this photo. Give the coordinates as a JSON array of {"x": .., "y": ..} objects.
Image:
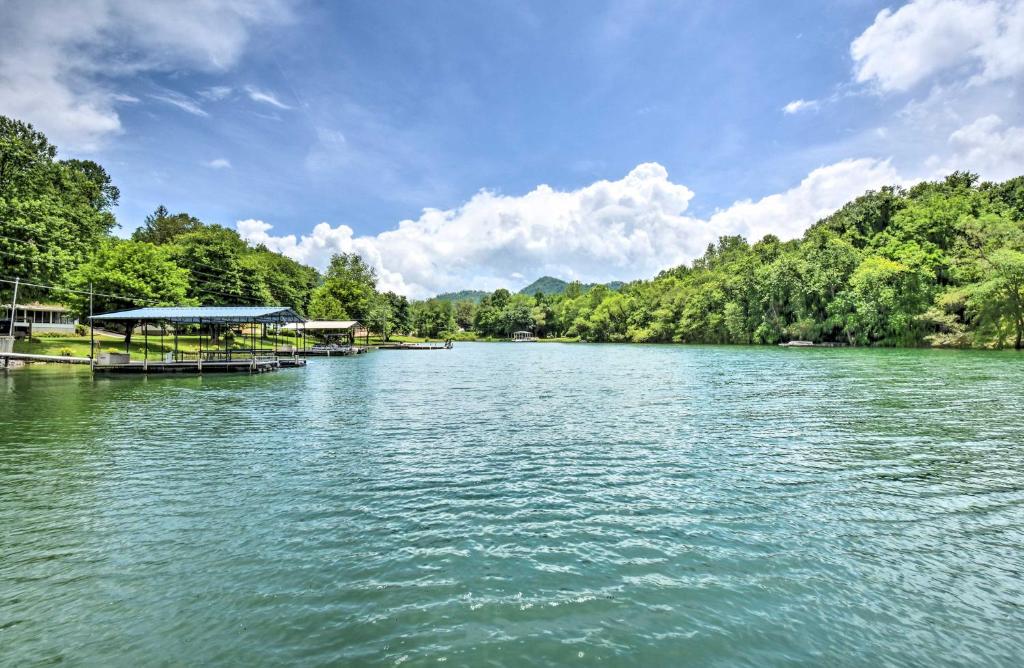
[
  {"x": 549, "y": 285},
  {"x": 462, "y": 295},
  {"x": 939, "y": 264}
]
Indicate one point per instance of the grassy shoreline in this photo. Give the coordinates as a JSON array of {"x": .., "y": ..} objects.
[{"x": 78, "y": 346}]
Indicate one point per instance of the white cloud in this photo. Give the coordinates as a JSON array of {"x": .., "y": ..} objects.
[
  {"x": 624, "y": 229},
  {"x": 60, "y": 60},
  {"x": 927, "y": 37},
  {"x": 266, "y": 97},
  {"x": 219, "y": 163},
  {"x": 214, "y": 93},
  {"x": 789, "y": 213},
  {"x": 987, "y": 146},
  {"x": 180, "y": 101},
  {"x": 797, "y": 106}
]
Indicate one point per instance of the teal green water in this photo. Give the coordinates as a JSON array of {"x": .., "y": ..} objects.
[{"x": 518, "y": 505}]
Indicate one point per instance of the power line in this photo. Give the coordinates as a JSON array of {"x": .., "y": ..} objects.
[
  {"x": 80, "y": 292},
  {"x": 195, "y": 282},
  {"x": 191, "y": 262}
]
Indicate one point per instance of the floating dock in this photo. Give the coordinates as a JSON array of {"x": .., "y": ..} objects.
[
  {"x": 60, "y": 359},
  {"x": 332, "y": 352},
  {"x": 252, "y": 365},
  {"x": 415, "y": 346}
]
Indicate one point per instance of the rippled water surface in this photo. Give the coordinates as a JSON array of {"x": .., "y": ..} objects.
[{"x": 518, "y": 505}]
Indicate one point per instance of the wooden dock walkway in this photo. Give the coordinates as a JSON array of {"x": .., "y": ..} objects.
[
  {"x": 60, "y": 359},
  {"x": 414, "y": 346},
  {"x": 329, "y": 352},
  {"x": 251, "y": 365}
]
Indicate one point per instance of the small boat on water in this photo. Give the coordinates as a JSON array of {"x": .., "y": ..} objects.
[
  {"x": 523, "y": 337},
  {"x": 797, "y": 344}
]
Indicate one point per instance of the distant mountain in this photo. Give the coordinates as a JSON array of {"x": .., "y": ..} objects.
[
  {"x": 550, "y": 285},
  {"x": 472, "y": 295}
]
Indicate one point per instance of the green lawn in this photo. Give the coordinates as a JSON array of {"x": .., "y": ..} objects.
[{"x": 78, "y": 346}]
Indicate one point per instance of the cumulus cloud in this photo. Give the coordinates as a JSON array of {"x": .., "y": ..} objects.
[
  {"x": 987, "y": 146},
  {"x": 219, "y": 163},
  {"x": 789, "y": 213},
  {"x": 60, "y": 60},
  {"x": 624, "y": 229},
  {"x": 927, "y": 37},
  {"x": 266, "y": 97},
  {"x": 796, "y": 106}
]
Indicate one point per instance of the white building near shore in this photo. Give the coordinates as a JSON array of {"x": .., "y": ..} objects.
[{"x": 36, "y": 318}]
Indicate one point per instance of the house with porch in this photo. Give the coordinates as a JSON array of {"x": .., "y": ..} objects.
[{"x": 36, "y": 318}]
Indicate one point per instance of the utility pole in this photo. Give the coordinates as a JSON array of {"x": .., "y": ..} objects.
[
  {"x": 14, "y": 306},
  {"x": 92, "y": 336}
]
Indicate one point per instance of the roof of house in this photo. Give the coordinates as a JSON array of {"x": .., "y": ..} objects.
[
  {"x": 208, "y": 314},
  {"x": 36, "y": 306},
  {"x": 311, "y": 325}
]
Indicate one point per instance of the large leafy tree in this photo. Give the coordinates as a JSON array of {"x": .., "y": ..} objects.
[
  {"x": 53, "y": 214},
  {"x": 128, "y": 274},
  {"x": 162, "y": 227},
  {"x": 347, "y": 292},
  {"x": 219, "y": 274},
  {"x": 882, "y": 303},
  {"x": 993, "y": 263},
  {"x": 401, "y": 317},
  {"x": 288, "y": 282},
  {"x": 434, "y": 318}
]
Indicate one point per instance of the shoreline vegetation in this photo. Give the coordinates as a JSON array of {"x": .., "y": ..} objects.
[{"x": 938, "y": 264}]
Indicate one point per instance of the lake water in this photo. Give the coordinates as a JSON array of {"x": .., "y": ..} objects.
[{"x": 514, "y": 505}]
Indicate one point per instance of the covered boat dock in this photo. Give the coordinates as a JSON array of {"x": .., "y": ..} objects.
[
  {"x": 215, "y": 356},
  {"x": 338, "y": 337}
]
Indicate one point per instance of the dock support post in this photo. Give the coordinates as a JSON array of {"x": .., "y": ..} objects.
[
  {"x": 14, "y": 309},
  {"x": 92, "y": 332}
]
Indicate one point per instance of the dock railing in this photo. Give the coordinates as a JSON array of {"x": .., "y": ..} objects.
[{"x": 230, "y": 355}]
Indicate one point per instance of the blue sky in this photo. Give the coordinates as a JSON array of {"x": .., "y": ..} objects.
[{"x": 285, "y": 115}]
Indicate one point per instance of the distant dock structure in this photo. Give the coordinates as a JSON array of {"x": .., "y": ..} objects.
[
  {"x": 216, "y": 356},
  {"x": 338, "y": 338}
]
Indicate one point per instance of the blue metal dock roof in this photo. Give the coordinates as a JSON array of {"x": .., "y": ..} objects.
[{"x": 207, "y": 314}]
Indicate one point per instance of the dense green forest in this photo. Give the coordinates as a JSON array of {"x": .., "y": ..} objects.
[{"x": 941, "y": 263}]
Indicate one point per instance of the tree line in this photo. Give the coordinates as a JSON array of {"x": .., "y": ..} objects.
[
  {"x": 940, "y": 263},
  {"x": 56, "y": 229}
]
